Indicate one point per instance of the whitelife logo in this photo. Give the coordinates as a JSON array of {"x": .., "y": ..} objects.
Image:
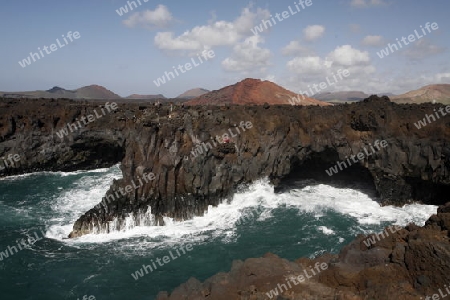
[
  {"x": 360, "y": 156},
  {"x": 22, "y": 243},
  {"x": 319, "y": 267},
  {"x": 124, "y": 9},
  {"x": 266, "y": 24},
  {"x": 225, "y": 139},
  {"x": 321, "y": 86},
  {"x": 127, "y": 190},
  {"x": 86, "y": 120},
  {"x": 165, "y": 260},
  {"x": 439, "y": 296},
  {"x": 372, "y": 240},
  {"x": 391, "y": 48},
  {"x": 206, "y": 54},
  {"x": 431, "y": 118},
  {"x": 4, "y": 164},
  {"x": 53, "y": 47}
]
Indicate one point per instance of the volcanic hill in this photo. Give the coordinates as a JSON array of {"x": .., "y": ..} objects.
[
  {"x": 438, "y": 92},
  {"x": 253, "y": 91}
]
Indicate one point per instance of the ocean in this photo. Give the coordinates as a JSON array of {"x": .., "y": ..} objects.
[{"x": 37, "y": 212}]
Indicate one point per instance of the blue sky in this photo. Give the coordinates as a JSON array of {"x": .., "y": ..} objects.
[{"x": 127, "y": 53}]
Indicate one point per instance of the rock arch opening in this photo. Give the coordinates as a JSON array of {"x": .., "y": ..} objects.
[{"x": 312, "y": 170}]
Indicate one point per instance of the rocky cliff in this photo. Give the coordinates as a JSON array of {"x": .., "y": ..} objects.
[
  {"x": 197, "y": 156},
  {"x": 29, "y": 128},
  {"x": 403, "y": 263}
]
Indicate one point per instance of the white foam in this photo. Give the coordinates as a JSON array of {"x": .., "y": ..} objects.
[
  {"x": 60, "y": 173},
  {"x": 326, "y": 230},
  {"x": 73, "y": 203},
  {"x": 360, "y": 206},
  {"x": 255, "y": 204}
]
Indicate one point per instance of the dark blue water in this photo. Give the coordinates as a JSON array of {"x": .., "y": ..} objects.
[{"x": 305, "y": 222}]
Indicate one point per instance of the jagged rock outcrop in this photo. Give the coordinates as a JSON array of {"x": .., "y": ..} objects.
[
  {"x": 282, "y": 142},
  {"x": 29, "y": 128},
  {"x": 407, "y": 263}
]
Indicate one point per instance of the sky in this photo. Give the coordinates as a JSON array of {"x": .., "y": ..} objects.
[{"x": 304, "y": 44}]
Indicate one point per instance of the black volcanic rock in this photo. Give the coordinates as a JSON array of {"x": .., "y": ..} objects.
[
  {"x": 414, "y": 166},
  {"x": 29, "y": 128},
  {"x": 284, "y": 141}
]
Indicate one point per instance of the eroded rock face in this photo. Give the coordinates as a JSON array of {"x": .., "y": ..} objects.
[
  {"x": 195, "y": 165},
  {"x": 30, "y": 127},
  {"x": 414, "y": 165},
  {"x": 406, "y": 263}
]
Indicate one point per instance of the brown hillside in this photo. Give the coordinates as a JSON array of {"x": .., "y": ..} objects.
[
  {"x": 95, "y": 92},
  {"x": 253, "y": 91},
  {"x": 438, "y": 92}
]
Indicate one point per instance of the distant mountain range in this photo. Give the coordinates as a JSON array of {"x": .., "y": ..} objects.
[
  {"x": 254, "y": 91},
  {"x": 87, "y": 92},
  {"x": 97, "y": 92},
  {"x": 438, "y": 92},
  {"x": 350, "y": 96},
  {"x": 190, "y": 94},
  {"x": 347, "y": 96},
  {"x": 248, "y": 91}
]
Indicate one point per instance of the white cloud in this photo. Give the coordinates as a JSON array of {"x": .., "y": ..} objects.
[
  {"x": 347, "y": 56},
  {"x": 308, "y": 65},
  {"x": 403, "y": 83},
  {"x": 166, "y": 40},
  {"x": 161, "y": 17},
  {"x": 216, "y": 33},
  {"x": 359, "y": 65},
  {"x": 295, "y": 48},
  {"x": 305, "y": 72},
  {"x": 248, "y": 56},
  {"x": 270, "y": 77},
  {"x": 366, "y": 3},
  {"x": 373, "y": 41},
  {"x": 422, "y": 49},
  {"x": 313, "y": 32},
  {"x": 310, "y": 70},
  {"x": 442, "y": 77}
]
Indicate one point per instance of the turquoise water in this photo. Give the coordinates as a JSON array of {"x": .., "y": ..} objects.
[{"x": 302, "y": 222}]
